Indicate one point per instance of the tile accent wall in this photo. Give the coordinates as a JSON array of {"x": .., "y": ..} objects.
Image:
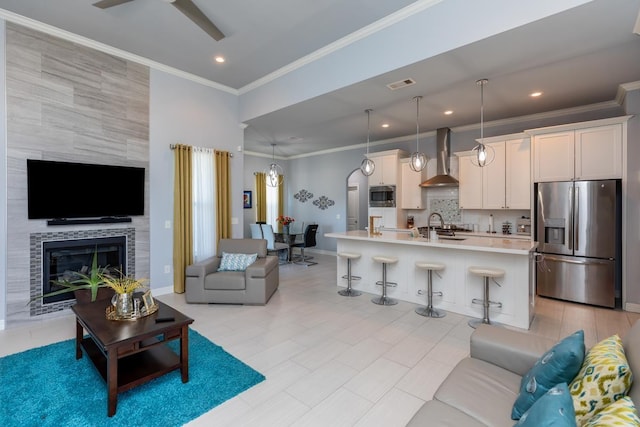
[{"x": 68, "y": 102}]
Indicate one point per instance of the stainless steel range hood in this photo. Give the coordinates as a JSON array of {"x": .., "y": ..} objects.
[{"x": 442, "y": 178}]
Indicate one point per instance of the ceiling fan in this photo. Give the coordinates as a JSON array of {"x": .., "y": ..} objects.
[{"x": 187, "y": 7}]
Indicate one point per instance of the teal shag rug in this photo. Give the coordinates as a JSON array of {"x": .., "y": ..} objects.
[{"x": 47, "y": 386}]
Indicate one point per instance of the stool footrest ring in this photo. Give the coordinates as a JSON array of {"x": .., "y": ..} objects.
[
  {"x": 352, "y": 277},
  {"x": 392, "y": 284},
  {"x": 481, "y": 301}
]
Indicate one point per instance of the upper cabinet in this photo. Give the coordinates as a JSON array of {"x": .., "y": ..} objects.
[
  {"x": 470, "y": 182},
  {"x": 579, "y": 151},
  {"x": 387, "y": 170},
  {"x": 505, "y": 183},
  {"x": 411, "y": 192}
]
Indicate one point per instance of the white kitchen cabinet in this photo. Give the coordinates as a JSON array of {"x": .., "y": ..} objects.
[
  {"x": 553, "y": 157},
  {"x": 518, "y": 174},
  {"x": 387, "y": 170},
  {"x": 505, "y": 183},
  {"x": 470, "y": 182},
  {"x": 598, "y": 152},
  {"x": 493, "y": 179},
  {"x": 579, "y": 151},
  {"x": 411, "y": 192}
]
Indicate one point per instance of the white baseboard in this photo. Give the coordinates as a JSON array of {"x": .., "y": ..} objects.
[{"x": 633, "y": 307}]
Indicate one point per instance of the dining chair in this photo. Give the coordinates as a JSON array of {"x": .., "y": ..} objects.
[
  {"x": 256, "y": 231},
  {"x": 272, "y": 245},
  {"x": 309, "y": 241}
]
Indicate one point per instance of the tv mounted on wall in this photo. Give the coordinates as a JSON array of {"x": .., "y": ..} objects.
[{"x": 61, "y": 190}]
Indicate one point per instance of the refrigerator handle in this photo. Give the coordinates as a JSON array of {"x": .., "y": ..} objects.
[
  {"x": 571, "y": 212},
  {"x": 576, "y": 217}
]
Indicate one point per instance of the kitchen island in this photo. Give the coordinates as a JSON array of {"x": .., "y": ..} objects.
[{"x": 516, "y": 291}]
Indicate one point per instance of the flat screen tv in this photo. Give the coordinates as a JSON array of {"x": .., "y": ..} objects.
[{"x": 80, "y": 190}]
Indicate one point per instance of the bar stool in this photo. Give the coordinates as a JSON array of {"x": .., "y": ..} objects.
[
  {"x": 486, "y": 273},
  {"x": 429, "y": 311},
  {"x": 349, "y": 292},
  {"x": 384, "y": 299}
]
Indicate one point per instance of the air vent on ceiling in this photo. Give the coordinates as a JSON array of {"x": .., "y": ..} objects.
[{"x": 401, "y": 84}]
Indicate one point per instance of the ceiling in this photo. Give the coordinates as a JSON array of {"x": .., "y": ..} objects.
[{"x": 577, "y": 57}]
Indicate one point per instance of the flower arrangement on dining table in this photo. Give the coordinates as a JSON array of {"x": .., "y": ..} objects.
[{"x": 285, "y": 220}]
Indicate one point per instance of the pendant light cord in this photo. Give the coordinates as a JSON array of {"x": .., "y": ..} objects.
[
  {"x": 417, "y": 98},
  {"x": 368, "y": 111}
]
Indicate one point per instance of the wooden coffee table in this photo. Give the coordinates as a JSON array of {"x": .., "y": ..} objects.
[{"x": 129, "y": 353}]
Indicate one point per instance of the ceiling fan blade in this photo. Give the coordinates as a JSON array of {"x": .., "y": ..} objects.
[
  {"x": 191, "y": 11},
  {"x": 104, "y": 4}
]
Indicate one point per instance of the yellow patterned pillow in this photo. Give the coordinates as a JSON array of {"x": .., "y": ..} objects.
[
  {"x": 620, "y": 413},
  {"x": 605, "y": 377}
]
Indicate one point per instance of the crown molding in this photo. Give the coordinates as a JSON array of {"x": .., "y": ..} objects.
[
  {"x": 626, "y": 87},
  {"x": 84, "y": 41},
  {"x": 360, "y": 34}
]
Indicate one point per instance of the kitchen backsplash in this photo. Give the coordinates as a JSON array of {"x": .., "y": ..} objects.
[{"x": 445, "y": 202}]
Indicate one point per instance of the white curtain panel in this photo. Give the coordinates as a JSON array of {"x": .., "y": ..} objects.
[
  {"x": 204, "y": 209},
  {"x": 272, "y": 206}
]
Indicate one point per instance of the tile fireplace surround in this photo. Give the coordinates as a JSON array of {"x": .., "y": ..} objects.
[{"x": 37, "y": 308}]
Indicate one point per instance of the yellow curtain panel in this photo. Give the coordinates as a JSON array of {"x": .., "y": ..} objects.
[
  {"x": 261, "y": 197},
  {"x": 182, "y": 216},
  {"x": 223, "y": 195},
  {"x": 281, "y": 201}
]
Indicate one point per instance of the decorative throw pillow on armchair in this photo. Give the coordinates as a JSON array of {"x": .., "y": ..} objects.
[
  {"x": 558, "y": 365},
  {"x": 236, "y": 262}
]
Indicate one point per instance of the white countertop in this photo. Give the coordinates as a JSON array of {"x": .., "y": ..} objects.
[{"x": 470, "y": 243}]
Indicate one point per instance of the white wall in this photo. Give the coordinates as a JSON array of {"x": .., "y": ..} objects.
[
  {"x": 185, "y": 112},
  {"x": 632, "y": 209}
]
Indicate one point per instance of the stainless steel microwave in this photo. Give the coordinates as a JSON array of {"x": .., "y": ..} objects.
[{"x": 382, "y": 196}]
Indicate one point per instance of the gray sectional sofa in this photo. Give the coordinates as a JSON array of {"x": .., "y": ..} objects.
[{"x": 481, "y": 389}]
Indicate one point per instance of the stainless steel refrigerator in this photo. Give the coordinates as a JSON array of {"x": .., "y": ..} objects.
[{"x": 578, "y": 229}]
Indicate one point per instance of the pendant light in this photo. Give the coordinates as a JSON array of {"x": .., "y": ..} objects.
[
  {"x": 484, "y": 153},
  {"x": 368, "y": 166},
  {"x": 418, "y": 160},
  {"x": 274, "y": 175}
]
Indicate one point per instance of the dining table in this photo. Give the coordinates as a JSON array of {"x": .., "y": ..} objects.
[{"x": 288, "y": 238}]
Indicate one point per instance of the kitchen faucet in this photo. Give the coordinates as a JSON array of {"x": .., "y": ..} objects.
[{"x": 439, "y": 216}]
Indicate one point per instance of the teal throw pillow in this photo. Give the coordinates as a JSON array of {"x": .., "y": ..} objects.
[
  {"x": 558, "y": 365},
  {"x": 553, "y": 409},
  {"x": 236, "y": 262}
]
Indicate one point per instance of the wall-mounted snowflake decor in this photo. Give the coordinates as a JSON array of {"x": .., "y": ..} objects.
[
  {"x": 323, "y": 202},
  {"x": 303, "y": 195}
]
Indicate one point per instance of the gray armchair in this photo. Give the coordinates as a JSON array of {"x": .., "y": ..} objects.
[{"x": 205, "y": 284}]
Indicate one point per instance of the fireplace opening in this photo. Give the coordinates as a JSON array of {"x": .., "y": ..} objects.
[{"x": 63, "y": 259}]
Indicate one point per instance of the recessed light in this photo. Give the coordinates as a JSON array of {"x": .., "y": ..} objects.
[
  {"x": 219, "y": 59},
  {"x": 385, "y": 125},
  {"x": 448, "y": 112},
  {"x": 535, "y": 94}
]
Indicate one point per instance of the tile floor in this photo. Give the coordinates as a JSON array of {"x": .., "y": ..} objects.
[{"x": 331, "y": 360}]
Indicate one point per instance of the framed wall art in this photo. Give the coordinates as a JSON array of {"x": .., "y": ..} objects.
[{"x": 246, "y": 203}]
